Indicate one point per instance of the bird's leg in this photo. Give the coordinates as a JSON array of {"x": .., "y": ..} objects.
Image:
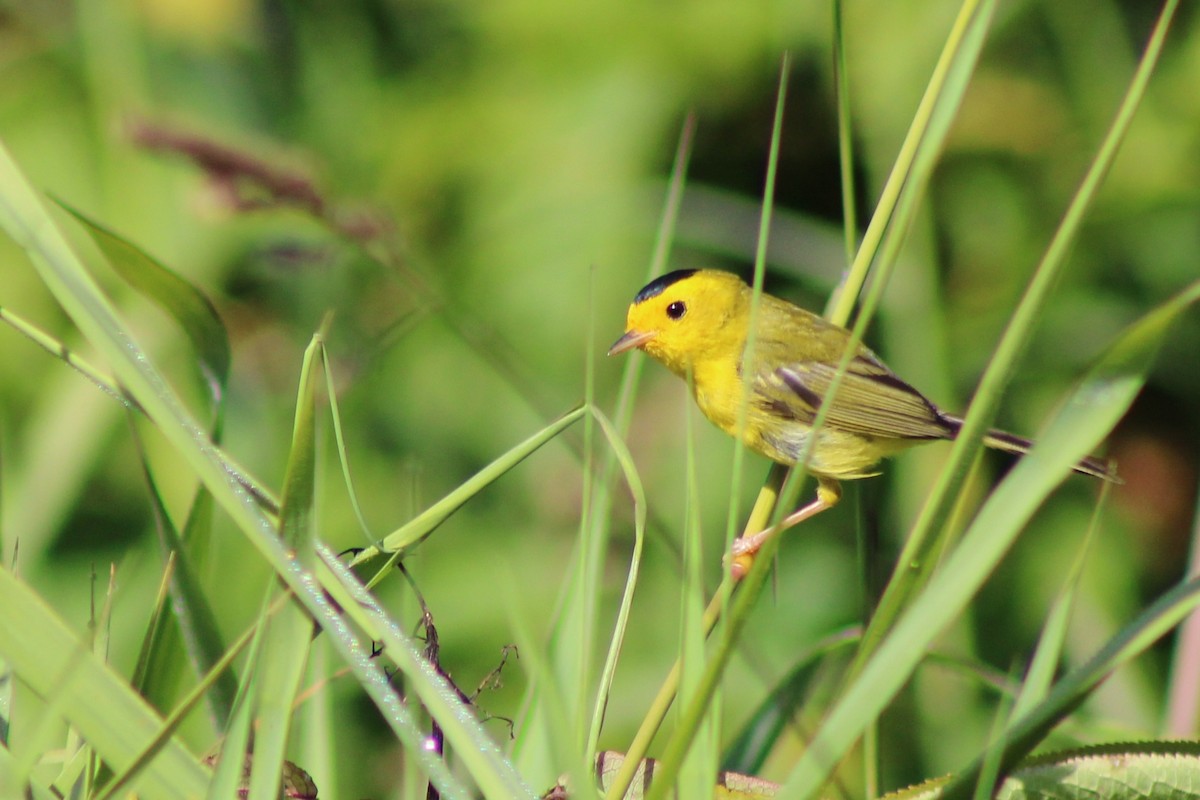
[{"x": 829, "y": 492}]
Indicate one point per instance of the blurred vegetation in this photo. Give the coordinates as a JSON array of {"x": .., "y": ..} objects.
[{"x": 490, "y": 182}]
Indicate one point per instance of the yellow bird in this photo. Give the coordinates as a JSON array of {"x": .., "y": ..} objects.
[{"x": 698, "y": 322}]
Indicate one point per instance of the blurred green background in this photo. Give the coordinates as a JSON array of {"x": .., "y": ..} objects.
[{"x": 513, "y": 158}]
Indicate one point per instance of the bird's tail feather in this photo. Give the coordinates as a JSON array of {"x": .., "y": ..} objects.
[{"x": 1011, "y": 443}]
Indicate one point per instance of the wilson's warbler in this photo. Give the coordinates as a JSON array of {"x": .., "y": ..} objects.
[{"x": 698, "y": 321}]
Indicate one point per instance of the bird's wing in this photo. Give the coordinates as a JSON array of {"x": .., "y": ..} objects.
[{"x": 870, "y": 400}]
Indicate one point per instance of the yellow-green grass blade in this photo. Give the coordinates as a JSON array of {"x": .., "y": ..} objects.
[
  {"x": 899, "y": 202},
  {"x": 55, "y": 347},
  {"x": 197, "y": 628},
  {"x": 181, "y": 710},
  {"x": 706, "y": 683},
  {"x": 340, "y": 440},
  {"x": 229, "y": 770},
  {"x": 1052, "y": 640},
  {"x": 182, "y": 300},
  {"x": 107, "y": 383},
  {"x": 625, "y": 459},
  {"x": 1089, "y": 414},
  {"x": 282, "y": 663},
  {"x": 841, "y": 87},
  {"x": 541, "y": 701},
  {"x": 46, "y": 655},
  {"x": 915, "y": 563},
  {"x": 317, "y": 725},
  {"x": 427, "y": 521}
]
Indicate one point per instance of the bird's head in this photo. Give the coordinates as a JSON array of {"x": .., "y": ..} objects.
[{"x": 687, "y": 315}]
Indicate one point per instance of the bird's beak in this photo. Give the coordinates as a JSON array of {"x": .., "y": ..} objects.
[{"x": 630, "y": 340}]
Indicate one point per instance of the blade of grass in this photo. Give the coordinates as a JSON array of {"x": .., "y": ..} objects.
[
  {"x": 414, "y": 531},
  {"x": 1040, "y": 675},
  {"x": 899, "y": 202},
  {"x": 185, "y": 706},
  {"x": 282, "y": 663},
  {"x": 698, "y": 770},
  {"x": 596, "y": 520},
  {"x": 104, "y": 381},
  {"x": 193, "y": 613},
  {"x": 625, "y": 460},
  {"x": 47, "y": 657}
]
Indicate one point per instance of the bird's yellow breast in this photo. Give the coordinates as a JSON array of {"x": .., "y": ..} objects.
[{"x": 719, "y": 392}]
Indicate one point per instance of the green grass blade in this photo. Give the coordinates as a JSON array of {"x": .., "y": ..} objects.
[
  {"x": 1091, "y": 412},
  {"x": 181, "y": 711},
  {"x": 793, "y": 696},
  {"x": 340, "y": 439},
  {"x": 625, "y": 459},
  {"x": 104, "y": 381},
  {"x": 901, "y": 198},
  {"x": 427, "y": 521},
  {"x": 197, "y": 622},
  {"x": 284, "y": 657},
  {"x": 1133, "y": 640},
  {"x": 1044, "y": 664},
  {"x": 46, "y": 656}
]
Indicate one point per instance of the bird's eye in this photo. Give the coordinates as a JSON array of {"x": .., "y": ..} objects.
[{"x": 676, "y": 309}]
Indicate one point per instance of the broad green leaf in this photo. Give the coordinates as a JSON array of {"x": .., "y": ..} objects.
[
  {"x": 45, "y": 654},
  {"x": 190, "y": 307}
]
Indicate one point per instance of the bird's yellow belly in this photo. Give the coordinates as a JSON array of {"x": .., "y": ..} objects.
[{"x": 836, "y": 453}]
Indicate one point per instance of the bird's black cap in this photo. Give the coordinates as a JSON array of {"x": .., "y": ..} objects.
[{"x": 656, "y": 286}]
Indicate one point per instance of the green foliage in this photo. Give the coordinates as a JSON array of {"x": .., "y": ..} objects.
[{"x": 418, "y": 224}]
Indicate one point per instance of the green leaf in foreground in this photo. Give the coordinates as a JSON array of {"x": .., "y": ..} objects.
[
  {"x": 46, "y": 655},
  {"x": 189, "y": 306}
]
